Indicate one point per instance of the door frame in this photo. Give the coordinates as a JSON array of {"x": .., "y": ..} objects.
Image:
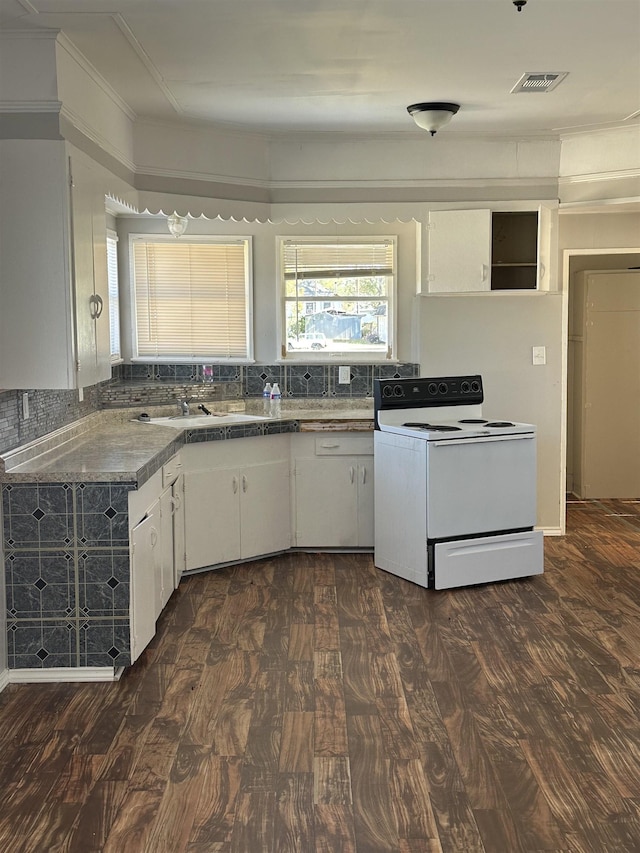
[{"x": 567, "y": 255}]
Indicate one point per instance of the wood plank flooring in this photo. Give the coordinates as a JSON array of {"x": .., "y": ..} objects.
[{"x": 310, "y": 703}]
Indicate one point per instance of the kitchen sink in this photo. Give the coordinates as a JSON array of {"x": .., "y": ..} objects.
[{"x": 197, "y": 421}]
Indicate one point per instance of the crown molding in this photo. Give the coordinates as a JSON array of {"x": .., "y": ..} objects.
[
  {"x": 96, "y": 138},
  {"x": 595, "y": 177},
  {"x": 81, "y": 60},
  {"x": 30, "y": 106}
]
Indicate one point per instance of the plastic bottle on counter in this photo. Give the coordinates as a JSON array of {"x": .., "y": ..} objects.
[
  {"x": 266, "y": 399},
  {"x": 276, "y": 400}
]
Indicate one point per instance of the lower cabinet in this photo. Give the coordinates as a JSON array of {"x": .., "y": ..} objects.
[
  {"x": 236, "y": 498},
  {"x": 144, "y": 562},
  {"x": 157, "y": 550},
  {"x": 333, "y": 491}
]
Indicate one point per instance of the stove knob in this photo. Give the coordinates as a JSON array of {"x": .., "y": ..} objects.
[
  {"x": 475, "y": 386},
  {"x": 432, "y": 388},
  {"x": 398, "y": 391},
  {"x": 465, "y": 387},
  {"x": 387, "y": 391},
  {"x": 443, "y": 388}
]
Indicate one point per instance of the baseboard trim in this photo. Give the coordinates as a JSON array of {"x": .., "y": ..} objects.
[{"x": 60, "y": 674}]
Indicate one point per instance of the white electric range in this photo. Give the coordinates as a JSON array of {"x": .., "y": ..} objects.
[{"x": 455, "y": 492}]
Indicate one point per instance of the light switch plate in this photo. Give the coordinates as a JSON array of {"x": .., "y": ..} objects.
[
  {"x": 344, "y": 375},
  {"x": 539, "y": 355}
]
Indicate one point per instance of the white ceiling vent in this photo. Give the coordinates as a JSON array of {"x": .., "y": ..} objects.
[{"x": 538, "y": 81}]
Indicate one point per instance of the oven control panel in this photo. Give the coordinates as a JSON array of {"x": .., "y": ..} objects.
[{"x": 424, "y": 391}]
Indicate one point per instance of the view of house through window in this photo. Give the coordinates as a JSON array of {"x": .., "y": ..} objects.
[
  {"x": 191, "y": 297},
  {"x": 338, "y": 295}
]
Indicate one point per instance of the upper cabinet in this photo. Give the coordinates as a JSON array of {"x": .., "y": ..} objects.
[
  {"x": 485, "y": 250},
  {"x": 54, "y": 315}
]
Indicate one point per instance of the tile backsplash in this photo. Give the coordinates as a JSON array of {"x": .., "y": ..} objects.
[{"x": 159, "y": 384}]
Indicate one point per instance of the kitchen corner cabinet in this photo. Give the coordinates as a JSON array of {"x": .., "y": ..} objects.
[
  {"x": 333, "y": 490},
  {"x": 236, "y": 500},
  {"x": 54, "y": 317},
  {"x": 484, "y": 250}
]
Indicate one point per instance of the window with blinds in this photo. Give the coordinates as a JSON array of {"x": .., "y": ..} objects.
[
  {"x": 192, "y": 298},
  {"x": 338, "y": 295},
  {"x": 114, "y": 296}
]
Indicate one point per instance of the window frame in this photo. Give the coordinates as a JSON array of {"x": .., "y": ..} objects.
[
  {"x": 210, "y": 239},
  {"x": 366, "y": 355},
  {"x": 114, "y": 291}
]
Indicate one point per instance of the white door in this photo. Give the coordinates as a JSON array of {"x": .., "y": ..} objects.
[
  {"x": 177, "y": 496},
  {"x": 166, "y": 569},
  {"x": 326, "y": 505},
  {"x": 142, "y": 607},
  {"x": 265, "y": 509},
  {"x": 365, "y": 504},
  {"x": 459, "y": 250},
  {"x": 212, "y": 517}
]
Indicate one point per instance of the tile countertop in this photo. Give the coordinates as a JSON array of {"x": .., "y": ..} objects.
[{"x": 113, "y": 446}]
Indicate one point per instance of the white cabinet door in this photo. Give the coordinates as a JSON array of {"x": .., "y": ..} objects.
[
  {"x": 142, "y": 603},
  {"x": 326, "y": 502},
  {"x": 166, "y": 573},
  {"x": 212, "y": 517},
  {"x": 265, "y": 509},
  {"x": 54, "y": 276},
  {"x": 89, "y": 242},
  {"x": 365, "y": 504},
  {"x": 179, "y": 541},
  {"x": 459, "y": 251}
]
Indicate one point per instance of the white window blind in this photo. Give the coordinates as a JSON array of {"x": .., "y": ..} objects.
[
  {"x": 338, "y": 294},
  {"x": 191, "y": 298},
  {"x": 114, "y": 295}
]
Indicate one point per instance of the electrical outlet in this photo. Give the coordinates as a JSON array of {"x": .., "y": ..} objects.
[
  {"x": 344, "y": 375},
  {"x": 25, "y": 406}
]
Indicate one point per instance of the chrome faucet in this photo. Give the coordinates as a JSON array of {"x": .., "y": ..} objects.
[{"x": 183, "y": 405}]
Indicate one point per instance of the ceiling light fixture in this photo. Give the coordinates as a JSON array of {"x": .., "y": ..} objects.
[
  {"x": 519, "y": 4},
  {"x": 177, "y": 224},
  {"x": 432, "y": 115}
]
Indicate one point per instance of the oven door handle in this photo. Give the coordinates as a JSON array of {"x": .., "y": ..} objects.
[{"x": 529, "y": 436}]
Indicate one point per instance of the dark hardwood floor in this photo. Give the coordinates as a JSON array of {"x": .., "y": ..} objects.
[{"x": 310, "y": 702}]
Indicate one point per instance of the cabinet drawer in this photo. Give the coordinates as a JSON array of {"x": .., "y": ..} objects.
[
  {"x": 344, "y": 445},
  {"x": 171, "y": 470}
]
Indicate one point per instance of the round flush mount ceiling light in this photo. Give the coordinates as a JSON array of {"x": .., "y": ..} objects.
[
  {"x": 432, "y": 115},
  {"x": 177, "y": 224}
]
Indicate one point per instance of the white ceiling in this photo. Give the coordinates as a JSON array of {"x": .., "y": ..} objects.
[{"x": 353, "y": 66}]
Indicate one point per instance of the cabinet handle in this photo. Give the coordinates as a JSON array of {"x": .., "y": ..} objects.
[
  {"x": 329, "y": 446},
  {"x": 244, "y": 483},
  {"x": 364, "y": 475},
  {"x": 542, "y": 270},
  {"x": 351, "y": 473},
  {"x": 153, "y": 537},
  {"x": 235, "y": 485},
  {"x": 96, "y": 305},
  {"x": 484, "y": 272},
  {"x": 176, "y": 503}
]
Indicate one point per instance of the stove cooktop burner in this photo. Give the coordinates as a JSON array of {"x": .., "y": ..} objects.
[
  {"x": 435, "y": 427},
  {"x": 500, "y": 424},
  {"x": 472, "y": 421}
]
